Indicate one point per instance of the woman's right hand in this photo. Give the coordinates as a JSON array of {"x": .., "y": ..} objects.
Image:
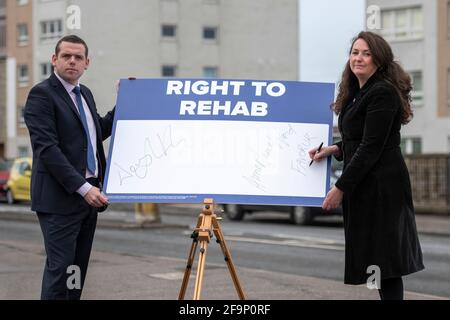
[{"x": 324, "y": 153}]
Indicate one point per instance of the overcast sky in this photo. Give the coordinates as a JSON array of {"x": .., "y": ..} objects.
[{"x": 326, "y": 30}]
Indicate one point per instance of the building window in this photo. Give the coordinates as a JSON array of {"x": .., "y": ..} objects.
[
  {"x": 168, "y": 71},
  {"x": 21, "y": 117},
  {"x": 448, "y": 87},
  {"x": 448, "y": 19},
  {"x": 402, "y": 24},
  {"x": 210, "y": 72},
  {"x": 23, "y": 152},
  {"x": 168, "y": 31},
  {"x": 46, "y": 70},
  {"x": 22, "y": 2},
  {"x": 22, "y": 34},
  {"x": 2, "y": 33},
  {"x": 52, "y": 29},
  {"x": 411, "y": 145},
  {"x": 417, "y": 92},
  {"x": 416, "y": 145},
  {"x": 210, "y": 33},
  {"x": 23, "y": 75}
]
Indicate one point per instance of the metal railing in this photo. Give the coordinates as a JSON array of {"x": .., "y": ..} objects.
[{"x": 430, "y": 182}]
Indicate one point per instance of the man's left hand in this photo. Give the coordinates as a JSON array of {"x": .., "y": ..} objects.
[{"x": 96, "y": 198}]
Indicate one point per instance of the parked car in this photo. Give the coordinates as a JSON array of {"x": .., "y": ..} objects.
[
  {"x": 297, "y": 214},
  {"x": 5, "y": 168},
  {"x": 18, "y": 185}
]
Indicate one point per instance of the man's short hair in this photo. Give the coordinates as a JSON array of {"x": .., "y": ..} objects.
[{"x": 72, "y": 39}]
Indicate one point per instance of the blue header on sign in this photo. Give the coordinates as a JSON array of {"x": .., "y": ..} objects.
[{"x": 234, "y": 100}]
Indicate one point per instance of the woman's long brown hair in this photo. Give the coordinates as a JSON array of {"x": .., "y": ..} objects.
[{"x": 387, "y": 69}]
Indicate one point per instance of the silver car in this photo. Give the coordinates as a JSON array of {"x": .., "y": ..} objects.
[{"x": 297, "y": 214}]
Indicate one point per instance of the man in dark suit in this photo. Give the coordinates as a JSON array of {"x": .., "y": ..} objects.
[{"x": 68, "y": 168}]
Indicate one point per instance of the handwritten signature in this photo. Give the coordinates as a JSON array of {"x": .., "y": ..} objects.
[
  {"x": 260, "y": 165},
  {"x": 300, "y": 163},
  {"x": 153, "y": 150},
  {"x": 284, "y": 137}
]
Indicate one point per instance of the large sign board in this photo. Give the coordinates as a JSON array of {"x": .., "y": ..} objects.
[{"x": 236, "y": 141}]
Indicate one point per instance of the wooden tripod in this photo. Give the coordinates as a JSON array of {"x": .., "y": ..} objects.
[{"x": 206, "y": 225}]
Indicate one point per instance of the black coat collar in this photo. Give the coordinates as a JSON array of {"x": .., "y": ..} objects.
[
  {"x": 357, "y": 92},
  {"x": 370, "y": 82}
]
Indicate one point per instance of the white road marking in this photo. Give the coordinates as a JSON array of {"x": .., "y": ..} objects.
[{"x": 288, "y": 240}]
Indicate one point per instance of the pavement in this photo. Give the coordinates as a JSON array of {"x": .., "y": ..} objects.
[{"x": 114, "y": 276}]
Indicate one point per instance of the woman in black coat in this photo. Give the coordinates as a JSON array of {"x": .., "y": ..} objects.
[{"x": 374, "y": 188}]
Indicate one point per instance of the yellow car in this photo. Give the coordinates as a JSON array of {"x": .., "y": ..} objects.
[{"x": 18, "y": 185}]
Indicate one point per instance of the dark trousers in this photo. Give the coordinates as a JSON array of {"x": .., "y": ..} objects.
[
  {"x": 391, "y": 289},
  {"x": 68, "y": 242}
]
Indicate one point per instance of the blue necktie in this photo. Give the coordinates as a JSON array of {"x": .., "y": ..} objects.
[{"x": 90, "y": 150}]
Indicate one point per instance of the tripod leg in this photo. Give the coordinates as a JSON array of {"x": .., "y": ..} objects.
[
  {"x": 200, "y": 269},
  {"x": 221, "y": 240},
  {"x": 187, "y": 272}
]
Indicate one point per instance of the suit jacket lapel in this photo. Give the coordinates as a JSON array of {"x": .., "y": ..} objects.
[{"x": 59, "y": 88}]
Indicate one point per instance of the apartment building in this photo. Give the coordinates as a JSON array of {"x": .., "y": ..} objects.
[
  {"x": 147, "y": 38},
  {"x": 19, "y": 74},
  {"x": 49, "y": 19},
  {"x": 419, "y": 33}
]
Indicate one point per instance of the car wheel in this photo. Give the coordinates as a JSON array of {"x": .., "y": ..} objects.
[
  {"x": 234, "y": 212},
  {"x": 301, "y": 215},
  {"x": 10, "y": 197}
]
